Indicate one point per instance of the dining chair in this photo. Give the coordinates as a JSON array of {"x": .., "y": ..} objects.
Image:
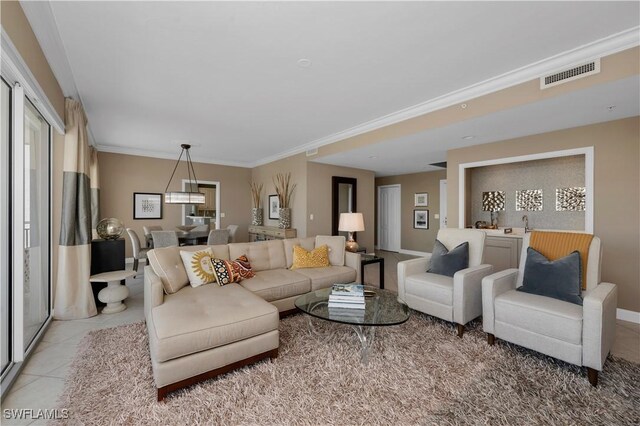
[
  {"x": 232, "y": 233},
  {"x": 139, "y": 252},
  {"x": 164, "y": 238},
  {"x": 147, "y": 233},
  {"x": 217, "y": 237}
]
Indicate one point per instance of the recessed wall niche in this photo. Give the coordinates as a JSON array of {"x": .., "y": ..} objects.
[{"x": 533, "y": 184}]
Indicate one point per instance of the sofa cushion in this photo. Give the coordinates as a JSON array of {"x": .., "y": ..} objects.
[
  {"x": 539, "y": 314},
  {"x": 228, "y": 271},
  {"x": 336, "y": 248},
  {"x": 198, "y": 266},
  {"x": 316, "y": 258},
  {"x": 327, "y": 276},
  {"x": 276, "y": 284},
  {"x": 263, "y": 255},
  {"x": 559, "y": 278},
  {"x": 434, "y": 287},
  {"x": 289, "y": 243},
  {"x": 216, "y": 317},
  {"x": 167, "y": 264}
]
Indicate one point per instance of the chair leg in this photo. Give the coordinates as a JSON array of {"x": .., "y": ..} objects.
[
  {"x": 593, "y": 376},
  {"x": 460, "y": 330},
  {"x": 135, "y": 265},
  {"x": 491, "y": 339}
]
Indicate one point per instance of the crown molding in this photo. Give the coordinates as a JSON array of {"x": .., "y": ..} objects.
[
  {"x": 15, "y": 69},
  {"x": 603, "y": 47},
  {"x": 169, "y": 156},
  {"x": 45, "y": 28}
]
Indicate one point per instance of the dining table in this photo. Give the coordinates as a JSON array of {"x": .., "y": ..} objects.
[
  {"x": 192, "y": 238},
  {"x": 186, "y": 238}
]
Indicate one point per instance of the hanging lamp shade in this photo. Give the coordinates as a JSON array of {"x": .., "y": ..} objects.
[{"x": 184, "y": 197}]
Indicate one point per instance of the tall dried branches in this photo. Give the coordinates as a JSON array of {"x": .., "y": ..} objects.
[
  {"x": 256, "y": 194},
  {"x": 284, "y": 189}
]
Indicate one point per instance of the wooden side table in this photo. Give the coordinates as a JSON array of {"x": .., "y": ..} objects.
[{"x": 368, "y": 259}]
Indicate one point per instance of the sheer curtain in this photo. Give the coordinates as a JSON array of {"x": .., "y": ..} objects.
[{"x": 73, "y": 297}]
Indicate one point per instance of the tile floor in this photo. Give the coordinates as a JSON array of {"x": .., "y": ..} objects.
[{"x": 42, "y": 378}]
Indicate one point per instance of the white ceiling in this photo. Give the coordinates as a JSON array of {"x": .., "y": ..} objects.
[
  {"x": 224, "y": 75},
  {"x": 415, "y": 153}
]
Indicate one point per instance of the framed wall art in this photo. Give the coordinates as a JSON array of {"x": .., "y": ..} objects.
[
  {"x": 421, "y": 219},
  {"x": 274, "y": 207},
  {"x": 147, "y": 205},
  {"x": 421, "y": 199}
]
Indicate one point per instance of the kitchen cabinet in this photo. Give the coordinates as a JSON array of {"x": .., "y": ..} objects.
[{"x": 502, "y": 252}]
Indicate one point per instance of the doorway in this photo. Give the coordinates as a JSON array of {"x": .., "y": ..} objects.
[
  {"x": 389, "y": 217},
  {"x": 207, "y": 213},
  {"x": 443, "y": 203}
]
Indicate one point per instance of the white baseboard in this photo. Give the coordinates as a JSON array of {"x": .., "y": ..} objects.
[
  {"x": 625, "y": 315},
  {"x": 414, "y": 252}
]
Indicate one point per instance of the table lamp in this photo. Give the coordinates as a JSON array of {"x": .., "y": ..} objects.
[{"x": 351, "y": 222}]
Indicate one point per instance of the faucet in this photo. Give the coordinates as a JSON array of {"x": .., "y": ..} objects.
[{"x": 525, "y": 219}]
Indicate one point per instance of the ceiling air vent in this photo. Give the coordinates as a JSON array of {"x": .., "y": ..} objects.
[
  {"x": 571, "y": 74},
  {"x": 312, "y": 152}
]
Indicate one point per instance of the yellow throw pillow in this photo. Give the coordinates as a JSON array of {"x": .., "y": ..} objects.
[
  {"x": 198, "y": 266},
  {"x": 316, "y": 258}
]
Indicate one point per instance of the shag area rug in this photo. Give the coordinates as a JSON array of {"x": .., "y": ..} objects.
[{"x": 418, "y": 373}]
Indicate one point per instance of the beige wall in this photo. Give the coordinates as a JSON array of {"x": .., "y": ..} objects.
[
  {"x": 319, "y": 200},
  {"x": 15, "y": 23},
  {"x": 617, "y": 199},
  {"x": 297, "y": 166},
  {"x": 417, "y": 239},
  {"x": 122, "y": 175}
]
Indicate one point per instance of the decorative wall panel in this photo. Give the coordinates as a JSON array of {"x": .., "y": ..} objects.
[
  {"x": 529, "y": 200},
  {"x": 493, "y": 201},
  {"x": 570, "y": 199}
]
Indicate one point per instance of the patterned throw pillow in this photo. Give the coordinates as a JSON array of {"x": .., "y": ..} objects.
[
  {"x": 232, "y": 271},
  {"x": 316, "y": 258},
  {"x": 198, "y": 266}
]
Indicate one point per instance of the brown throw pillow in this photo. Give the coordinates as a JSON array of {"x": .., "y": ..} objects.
[{"x": 232, "y": 271}]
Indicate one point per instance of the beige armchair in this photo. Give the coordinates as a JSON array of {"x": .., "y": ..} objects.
[
  {"x": 457, "y": 299},
  {"x": 579, "y": 335}
]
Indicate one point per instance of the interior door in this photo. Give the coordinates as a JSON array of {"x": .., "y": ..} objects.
[
  {"x": 389, "y": 218},
  {"x": 443, "y": 203}
]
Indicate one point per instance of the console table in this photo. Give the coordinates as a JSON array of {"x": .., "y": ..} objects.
[{"x": 264, "y": 233}]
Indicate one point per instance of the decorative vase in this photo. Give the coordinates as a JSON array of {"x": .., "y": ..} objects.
[
  {"x": 285, "y": 218},
  {"x": 110, "y": 228},
  {"x": 257, "y": 218}
]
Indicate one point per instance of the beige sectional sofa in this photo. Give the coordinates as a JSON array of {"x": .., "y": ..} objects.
[{"x": 196, "y": 333}]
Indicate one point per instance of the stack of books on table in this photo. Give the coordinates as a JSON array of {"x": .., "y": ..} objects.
[{"x": 347, "y": 296}]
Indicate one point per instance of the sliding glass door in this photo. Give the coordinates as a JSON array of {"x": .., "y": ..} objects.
[
  {"x": 5, "y": 163},
  {"x": 25, "y": 183},
  {"x": 35, "y": 223}
]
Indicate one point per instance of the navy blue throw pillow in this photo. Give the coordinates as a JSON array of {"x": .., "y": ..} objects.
[
  {"x": 445, "y": 262},
  {"x": 559, "y": 279}
]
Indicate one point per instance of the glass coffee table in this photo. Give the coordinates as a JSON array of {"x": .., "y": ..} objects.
[{"x": 382, "y": 308}]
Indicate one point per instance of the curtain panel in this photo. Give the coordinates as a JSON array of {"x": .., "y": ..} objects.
[{"x": 73, "y": 294}]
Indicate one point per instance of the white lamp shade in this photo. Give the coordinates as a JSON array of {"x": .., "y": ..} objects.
[{"x": 351, "y": 222}]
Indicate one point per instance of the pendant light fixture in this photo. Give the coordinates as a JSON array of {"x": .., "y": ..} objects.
[{"x": 184, "y": 197}]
